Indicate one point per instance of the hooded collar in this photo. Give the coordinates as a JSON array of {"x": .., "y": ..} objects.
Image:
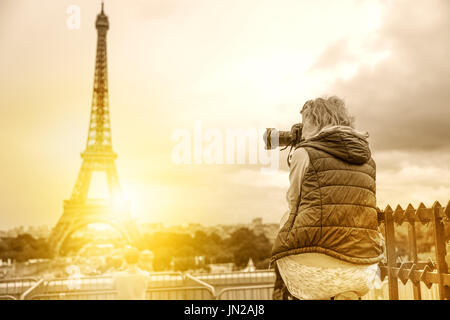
[{"x": 342, "y": 142}]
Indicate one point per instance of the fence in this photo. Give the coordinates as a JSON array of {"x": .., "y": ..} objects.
[
  {"x": 238, "y": 278},
  {"x": 405, "y": 292},
  {"x": 166, "y": 285},
  {"x": 105, "y": 282},
  {"x": 174, "y": 286},
  {"x": 181, "y": 293},
  {"x": 419, "y": 273},
  {"x": 257, "y": 292},
  {"x": 11, "y": 289}
]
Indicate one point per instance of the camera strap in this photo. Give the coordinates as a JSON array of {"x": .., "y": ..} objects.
[{"x": 289, "y": 155}]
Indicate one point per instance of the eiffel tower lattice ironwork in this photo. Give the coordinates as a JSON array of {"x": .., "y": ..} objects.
[{"x": 98, "y": 156}]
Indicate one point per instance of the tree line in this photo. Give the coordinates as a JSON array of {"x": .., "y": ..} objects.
[
  {"x": 177, "y": 251},
  {"x": 172, "y": 251}
]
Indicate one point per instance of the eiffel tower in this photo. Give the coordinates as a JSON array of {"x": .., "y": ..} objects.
[{"x": 98, "y": 156}]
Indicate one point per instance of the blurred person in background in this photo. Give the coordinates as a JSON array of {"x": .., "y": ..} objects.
[
  {"x": 328, "y": 245},
  {"x": 131, "y": 284}
]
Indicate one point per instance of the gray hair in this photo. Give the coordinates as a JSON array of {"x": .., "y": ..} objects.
[{"x": 324, "y": 112}]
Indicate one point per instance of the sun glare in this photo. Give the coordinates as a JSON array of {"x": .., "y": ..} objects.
[{"x": 99, "y": 227}]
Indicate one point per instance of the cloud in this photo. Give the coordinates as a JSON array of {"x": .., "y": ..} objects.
[
  {"x": 413, "y": 184},
  {"x": 336, "y": 54},
  {"x": 403, "y": 101},
  {"x": 159, "y": 9}
]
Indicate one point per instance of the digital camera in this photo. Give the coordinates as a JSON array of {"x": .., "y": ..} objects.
[{"x": 274, "y": 138}]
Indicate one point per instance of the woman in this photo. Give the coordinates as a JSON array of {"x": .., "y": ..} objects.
[{"x": 328, "y": 246}]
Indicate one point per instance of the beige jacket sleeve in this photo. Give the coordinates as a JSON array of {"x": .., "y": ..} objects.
[{"x": 299, "y": 163}]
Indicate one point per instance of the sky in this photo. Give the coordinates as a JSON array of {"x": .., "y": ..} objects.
[{"x": 231, "y": 65}]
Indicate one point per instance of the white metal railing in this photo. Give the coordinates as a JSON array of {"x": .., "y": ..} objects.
[
  {"x": 14, "y": 287},
  {"x": 180, "y": 293},
  {"x": 257, "y": 292},
  {"x": 177, "y": 286}
]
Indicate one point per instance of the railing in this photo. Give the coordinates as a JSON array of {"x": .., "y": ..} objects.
[
  {"x": 15, "y": 287},
  {"x": 209, "y": 287},
  {"x": 162, "y": 286},
  {"x": 105, "y": 282},
  {"x": 32, "y": 290},
  {"x": 238, "y": 278},
  {"x": 78, "y": 295},
  {"x": 78, "y": 283},
  {"x": 181, "y": 293},
  {"x": 261, "y": 292},
  {"x": 428, "y": 273},
  {"x": 168, "y": 285}
]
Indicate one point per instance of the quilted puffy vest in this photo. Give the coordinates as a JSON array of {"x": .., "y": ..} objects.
[{"x": 337, "y": 212}]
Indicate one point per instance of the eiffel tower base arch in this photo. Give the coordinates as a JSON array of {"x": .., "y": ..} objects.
[{"x": 79, "y": 215}]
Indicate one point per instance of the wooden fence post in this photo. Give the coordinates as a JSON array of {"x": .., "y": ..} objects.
[
  {"x": 409, "y": 213},
  {"x": 390, "y": 253},
  {"x": 439, "y": 242}
]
